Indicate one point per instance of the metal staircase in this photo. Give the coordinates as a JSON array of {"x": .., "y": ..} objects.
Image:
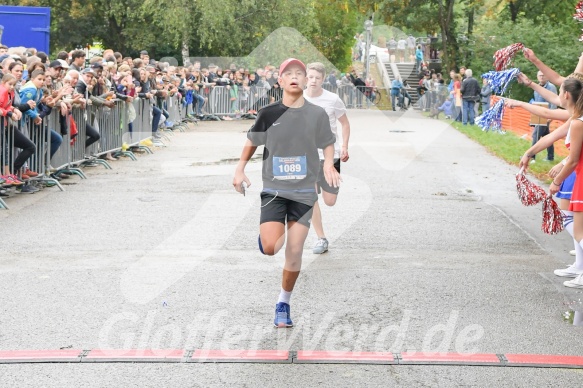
[
  {"x": 389, "y": 72},
  {"x": 409, "y": 73}
]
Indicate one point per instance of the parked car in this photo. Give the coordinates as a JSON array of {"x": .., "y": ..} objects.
[{"x": 379, "y": 52}]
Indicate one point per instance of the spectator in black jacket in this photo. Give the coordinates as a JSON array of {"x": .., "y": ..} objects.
[
  {"x": 84, "y": 87},
  {"x": 470, "y": 94},
  {"x": 332, "y": 80},
  {"x": 360, "y": 85}
]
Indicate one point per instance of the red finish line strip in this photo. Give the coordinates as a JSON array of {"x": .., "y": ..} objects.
[
  {"x": 134, "y": 355},
  {"x": 26, "y": 356},
  {"x": 335, "y": 357},
  {"x": 449, "y": 358},
  {"x": 541, "y": 360},
  {"x": 284, "y": 356},
  {"x": 266, "y": 356}
]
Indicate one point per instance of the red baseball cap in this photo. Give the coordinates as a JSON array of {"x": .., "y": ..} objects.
[{"x": 291, "y": 61}]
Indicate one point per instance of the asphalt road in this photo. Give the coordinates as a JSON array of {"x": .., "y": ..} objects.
[{"x": 430, "y": 250}]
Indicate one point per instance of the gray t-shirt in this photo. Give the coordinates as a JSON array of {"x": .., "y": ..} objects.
[{"x": 292, "y": 137}]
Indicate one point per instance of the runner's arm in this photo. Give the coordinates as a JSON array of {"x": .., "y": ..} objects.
[
  {"x": 246, "y": 154},
  {"x": 345, "y": 137}
]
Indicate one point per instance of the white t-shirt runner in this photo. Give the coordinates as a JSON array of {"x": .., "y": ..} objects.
[{"x": 335, "y": 109}]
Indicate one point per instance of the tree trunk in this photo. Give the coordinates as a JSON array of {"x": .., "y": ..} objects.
[
  {"x": 467, "y": 52},
  {"x": 185, "y": 49},
  {"x": 471, "y": 14},
  {"x": 514, "y": 6},
  {"x": 115, "y": 38},
  {"x": 449, "y": 41}
]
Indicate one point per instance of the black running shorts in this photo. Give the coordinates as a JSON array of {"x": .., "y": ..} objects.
[{"x": 275, "y": 208}]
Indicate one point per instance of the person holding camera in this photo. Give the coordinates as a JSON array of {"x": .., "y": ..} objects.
[{"x": 360, "y": 86}]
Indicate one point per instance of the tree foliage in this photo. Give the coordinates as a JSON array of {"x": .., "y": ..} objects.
[
  {"x": 206, "y": 27},
  {"x": 235, "y": 28},
  {"x": 557, "y": 10}
]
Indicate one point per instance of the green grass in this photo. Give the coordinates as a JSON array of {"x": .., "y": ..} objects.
[{"x": 508, "y": 147}]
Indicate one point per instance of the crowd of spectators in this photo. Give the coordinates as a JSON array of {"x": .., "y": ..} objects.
[
  {"x": 34, "y": 85},
  {"x": 459, "y": 100}
]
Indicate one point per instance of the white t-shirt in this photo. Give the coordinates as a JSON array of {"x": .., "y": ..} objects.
[
  {"x": 335, "y": 109},
  {"x": 402, "y": 44},
  {"x": 411, "y": 42}
]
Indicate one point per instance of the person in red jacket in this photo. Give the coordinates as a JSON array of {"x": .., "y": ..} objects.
[
  {"x": 7, "y": 97},
  {"x": 8, "y": 111}
]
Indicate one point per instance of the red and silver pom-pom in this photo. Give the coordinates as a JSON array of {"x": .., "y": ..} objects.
[
  {"x": 529, "y": 193},
  {"x": 552, "y": 217},
  {"x": 578, "y": 15},
  {"x": 503, "y": 57}
]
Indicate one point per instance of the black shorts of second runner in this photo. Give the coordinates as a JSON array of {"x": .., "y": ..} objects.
[
  {"x": 275, "y": 208},
  {"x": 322, "y": 184}
]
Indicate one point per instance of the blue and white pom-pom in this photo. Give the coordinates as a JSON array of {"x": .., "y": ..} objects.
[
  {"x": 492, "y": 118},
  {"x": 500, "y": 80}
]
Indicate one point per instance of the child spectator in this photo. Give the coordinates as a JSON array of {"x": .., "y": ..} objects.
[
  {"x": 446, "y": 107},
  {"x": 31, "y": 91},
  {"x": 442, "y": 92}
]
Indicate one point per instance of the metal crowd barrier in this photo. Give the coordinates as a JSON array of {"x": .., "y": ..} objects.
[
  {"x": 6, "y": 151},
  {"x": 355, "y": 96},
  {"x": 224, "y": 101},
  {"x": 111, "y": 123},
  {"x": 141, "y": 125},
  {"x": 39, "y": 162},
  {"x": 173, "y": 106},
  {"x": 63, "y": 160}
]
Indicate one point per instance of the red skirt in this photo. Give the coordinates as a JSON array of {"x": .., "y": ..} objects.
[{"x": 577, "y": 196}]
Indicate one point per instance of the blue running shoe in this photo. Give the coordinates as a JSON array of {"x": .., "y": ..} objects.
[{"x": 282, "y": 316}]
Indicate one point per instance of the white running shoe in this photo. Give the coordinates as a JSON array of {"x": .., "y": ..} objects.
[
  {"x": 575, "y": 283},
  {"x": 569, "y": 272},
  {"x": 573, "y": 252},
  {"x": 321, "y": 246}
]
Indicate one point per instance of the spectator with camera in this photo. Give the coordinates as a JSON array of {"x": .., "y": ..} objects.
[{"x": 360, "y": 86}]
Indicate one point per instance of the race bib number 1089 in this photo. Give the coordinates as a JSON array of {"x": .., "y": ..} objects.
[{"x": 291, "y": 167}]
